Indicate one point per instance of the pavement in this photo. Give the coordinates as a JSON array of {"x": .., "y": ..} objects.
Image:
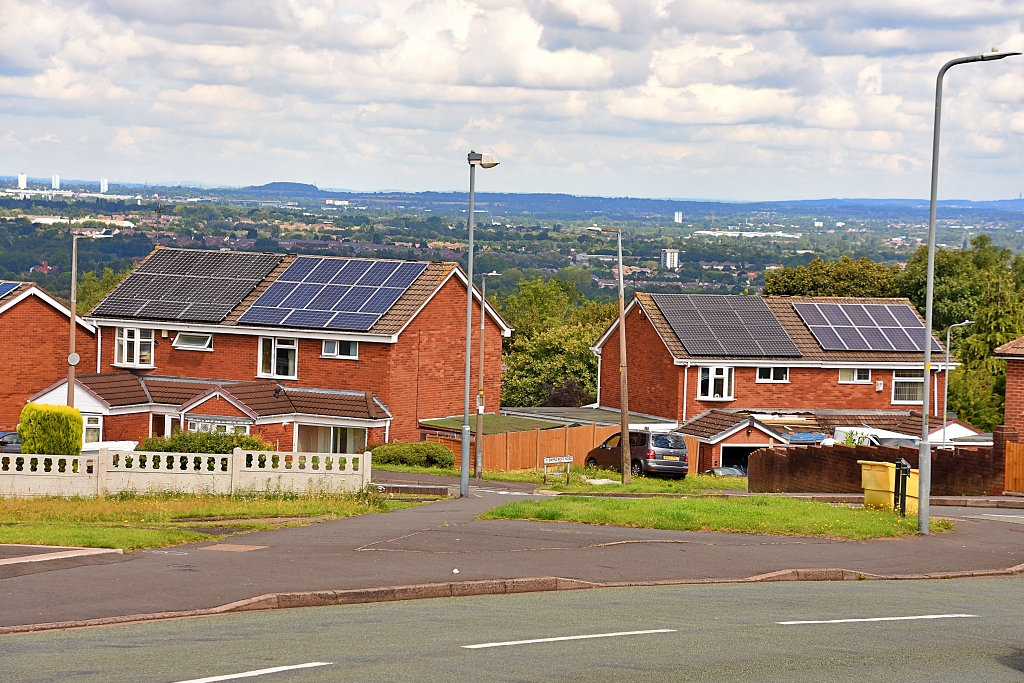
[
  {"x": 428, "y": 543},
  {"x": 673, "y": 633}
]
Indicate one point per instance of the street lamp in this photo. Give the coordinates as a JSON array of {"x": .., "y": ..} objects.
[
  {"x": 624, "y": 449},
  {"x": 945, "y": 384},
  {"x": 479, "y": 461},
  {"x": 74, "y": 358},
  {"x": 485, "y": 161},
  {"x": 925, "y": 455}
]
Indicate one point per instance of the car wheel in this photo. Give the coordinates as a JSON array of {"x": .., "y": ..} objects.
[
  {"x": 636, "y": 469},
  {"x": 592, "y": 462}
]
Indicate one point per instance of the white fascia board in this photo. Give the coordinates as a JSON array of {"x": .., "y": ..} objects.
[
  {"x": 320, "y": 420},
  {"x": 50, "y": 301},
  {"x": 506, "y": 331},
  {"x": 599, "y": 344},
  {"x": 200, "y": 328},
  {"x": 796, "y": 363}
]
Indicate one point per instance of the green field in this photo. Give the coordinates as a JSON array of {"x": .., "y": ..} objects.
[{"x": 752, "y": 515}]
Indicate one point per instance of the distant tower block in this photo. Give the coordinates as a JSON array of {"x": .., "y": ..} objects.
[
  {"x": 678, "y": 217},
  {"x": 22, "y": 181},
  {"x": 670, "y": 258},
  {"x": 55, "y": 181},
  {"x": 103, "y": 185}
]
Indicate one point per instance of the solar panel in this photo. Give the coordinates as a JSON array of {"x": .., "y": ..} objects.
[
  {"x": 718, "y": 325},
  {"x": 333, "y": 293},
  {"x": 188, "y": 285},
  {"x": 7, "y": 287},
  {"x": 864, "y": 327}
]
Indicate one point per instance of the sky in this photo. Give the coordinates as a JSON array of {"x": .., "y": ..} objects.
[{"x": 712, "y": 99}]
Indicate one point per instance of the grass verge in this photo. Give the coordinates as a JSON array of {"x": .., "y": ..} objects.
[
  {"x": 579, "y": 475},
  {"x": 752, "y": 515},
  {"x": 154, "y": 520}
]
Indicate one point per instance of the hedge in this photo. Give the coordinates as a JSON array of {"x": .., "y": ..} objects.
[
  {"x": 50, "y": 430},
  {"x": 204, "y": 442},
  {"x": 419, "y": 453}
]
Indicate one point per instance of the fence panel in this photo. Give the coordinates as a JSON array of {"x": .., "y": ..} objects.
[
  {"x": 552, "y": 444},
  {"x": 494, "y": 452},
  {"x": 1014, "y": 467},
  {"x": 522, "y": 450}
]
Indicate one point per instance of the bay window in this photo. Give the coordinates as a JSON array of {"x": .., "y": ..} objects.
[{"x": 715, "y": 383}]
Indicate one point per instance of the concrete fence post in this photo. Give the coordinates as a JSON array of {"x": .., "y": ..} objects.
[
  {"x": 99, "y": 469},
  {"x": 237, "y": 461},
  {"x": 365, "y": 473}
]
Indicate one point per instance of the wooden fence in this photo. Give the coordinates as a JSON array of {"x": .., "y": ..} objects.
[
  {"x": 511, "y": 451},
  {"x": 1014, "y": 467}
]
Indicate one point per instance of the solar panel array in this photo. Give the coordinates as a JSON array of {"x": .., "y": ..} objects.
[
  {"x": 188, "y": 285},
  {"x": 7, "y": 287},
  {"x": 720, "y": 325},
  {"x": 333, "y": 293},
  {"x": 864, "y": 327}
]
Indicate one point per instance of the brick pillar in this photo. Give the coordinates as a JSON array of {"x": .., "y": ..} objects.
[{"x": 1000, "y": 435}]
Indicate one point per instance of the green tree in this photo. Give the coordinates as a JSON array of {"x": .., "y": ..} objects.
[
  {"x": 92, "y": 289},
  {"x": 845, "y": 277}
]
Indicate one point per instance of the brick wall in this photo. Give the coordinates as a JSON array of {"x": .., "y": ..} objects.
[
  {"x": 420, "y": 376},
  {"x": 1014, "y": 409},
  {"x": 277, "y": 434},
  {"x": 834, "y": 469},
  {"x": 130, "y": 427},
  {"x": 656, "y": 385},
  {"x": 216, "y": 406},
  {"x": 35, "y": 351}
]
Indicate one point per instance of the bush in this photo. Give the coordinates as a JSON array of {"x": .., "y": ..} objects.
[
  {"x": 419, "y": 453},
  {"x": 50, "y": 430},
  {"x": 204, "y": 442}
]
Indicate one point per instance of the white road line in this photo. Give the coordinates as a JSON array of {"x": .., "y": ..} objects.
[
  {"x": 1011, "y": 516},
  {"x": 258, "y": 672},
  {"x": 554, "y": 640},
  {"x": 851, "y": 621}
]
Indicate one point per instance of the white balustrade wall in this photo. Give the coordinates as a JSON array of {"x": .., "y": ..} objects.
[{"x": 146, "y": 471}]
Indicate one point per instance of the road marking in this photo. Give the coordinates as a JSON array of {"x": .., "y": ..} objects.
[
  {"x": 1012, "y": 516},
  {"x": 554, "y": 640},
  {"x": 258, "y": 672},
  {"x": 851, "y": 621}
]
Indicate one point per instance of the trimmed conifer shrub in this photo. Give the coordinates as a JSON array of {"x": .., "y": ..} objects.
[{"x": 50, "y": 430}]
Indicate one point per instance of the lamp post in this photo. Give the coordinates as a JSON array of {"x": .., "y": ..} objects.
[
  {"x": 74, "y": 358},
  {"x": 624, "y": 449},
  {"x": 485, "y": 161},
  {"x": 925, "y": 455},
  {"x": 945, "y": 384},
  {"x": 478, "y": 463}
]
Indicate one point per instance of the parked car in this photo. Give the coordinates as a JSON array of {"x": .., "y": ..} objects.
[
  {"x": 651, "y": 453},
  {"x": 10, "y": 442},
  {"x": 725, "y": 472}
]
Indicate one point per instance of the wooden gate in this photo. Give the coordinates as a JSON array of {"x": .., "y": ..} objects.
[{"x": 1014, "y": 467}]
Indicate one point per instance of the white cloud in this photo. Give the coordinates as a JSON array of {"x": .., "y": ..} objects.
[{"x": 734, "y": 98}]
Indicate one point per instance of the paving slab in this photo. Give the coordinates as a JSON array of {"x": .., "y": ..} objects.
[{"x": 426, "y": 544}]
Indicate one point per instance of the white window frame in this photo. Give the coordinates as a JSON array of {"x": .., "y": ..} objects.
[
  {"x": 198, "y": 425},
  {"x": 724, "y": 372},
  {"x": 856, "y": 376},
  {"x": 353, "y": 346},
  {"x": 179, "y": 343},
  {"x": 92, "y": 422},
  {"x": 907, "y": 380},
  {"x": 129, "y": 347},
  {"x": 772, "y": 372},
  {"x": 276, "y": 343}
]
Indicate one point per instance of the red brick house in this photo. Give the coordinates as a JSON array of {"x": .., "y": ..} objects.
[
  {"x": 314, "y": 353},
  {"x": 34, "y": 330},
  {"x": 1013, "y": 409},
  {"x": 691, "y": 353}
]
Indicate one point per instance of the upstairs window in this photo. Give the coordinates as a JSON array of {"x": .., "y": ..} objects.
[
  {"x": 340, "y": 349},
  {"x": 193, "y": 342},
  {"x": 773, "y": 374},
  {"x": 908, "y": 386},
  {"x": 715, "y": 384},
  {"x": 278, "y": 357},
  {"x": 854, "y": 376},
  {"x": 133, "y": 347}
]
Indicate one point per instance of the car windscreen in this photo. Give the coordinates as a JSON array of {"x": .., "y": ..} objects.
[{"x": 669, "y": 441}]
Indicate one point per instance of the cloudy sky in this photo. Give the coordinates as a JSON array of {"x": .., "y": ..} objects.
[{"x": 723, "y": 99}]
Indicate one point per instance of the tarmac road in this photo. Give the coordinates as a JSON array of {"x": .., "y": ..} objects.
[{"x": 709, "y": 633}]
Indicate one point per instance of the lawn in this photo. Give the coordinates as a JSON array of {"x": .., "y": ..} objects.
[
  {"x": 753, "y": 515},
  {"x": 138, "y": 521}
]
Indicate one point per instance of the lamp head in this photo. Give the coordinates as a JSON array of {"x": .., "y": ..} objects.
[
  {"x": 996, "y": 54},
  {"x": 482, "y": 159}
]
